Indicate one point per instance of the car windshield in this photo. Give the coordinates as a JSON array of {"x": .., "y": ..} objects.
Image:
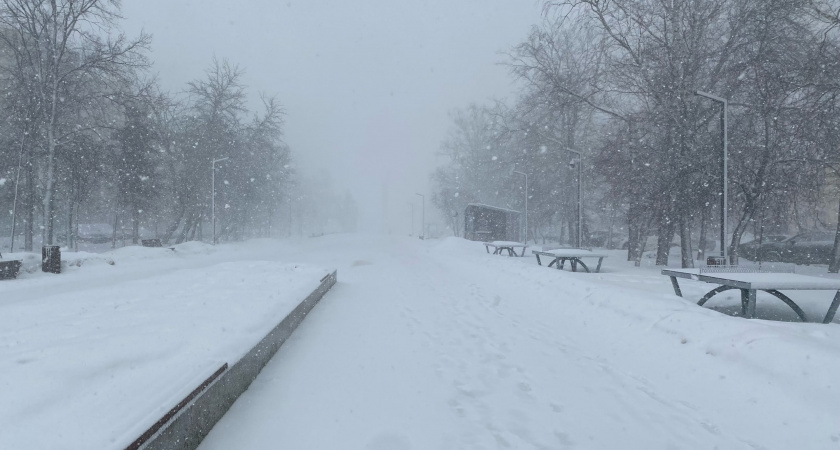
[{"x": 429, "y": 224}]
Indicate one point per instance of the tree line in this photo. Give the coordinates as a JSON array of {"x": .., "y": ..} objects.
[
  {"x": 616, "y": 81},
  {"x": 89, "y": 135}
]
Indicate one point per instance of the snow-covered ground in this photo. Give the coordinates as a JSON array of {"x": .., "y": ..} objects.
[
  {"x": 91, "y": 358},
  {"x": 437, "y": 345}
]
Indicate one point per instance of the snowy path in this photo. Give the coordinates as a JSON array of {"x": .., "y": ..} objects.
[{"x": 437, "y": 345}]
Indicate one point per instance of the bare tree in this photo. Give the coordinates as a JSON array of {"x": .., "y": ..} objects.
[{"x": 62, "y": 42}]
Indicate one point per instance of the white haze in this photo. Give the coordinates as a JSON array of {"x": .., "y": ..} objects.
[{"x": 367, "y": 84}]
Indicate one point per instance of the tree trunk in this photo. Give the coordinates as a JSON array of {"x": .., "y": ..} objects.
[
  {"x": 665, "y": 236},
  {"x": 834, "y": 267},
  {"x": 114, "y": 237},
  {"x": 749, "y": 211},
  {"x": 685, "y": 244},
  {"x": 634, "y": 232},
  {"x": 640, "y": 248},
  {"x": 135, "y": 225},
  {"x": 701, "y": 246},
  {"x": 29, "y": 224},
  {"x": 173, "y": 227},
  {"x": 68, "y": 239},
  {"x": 188, "y": 224},
  {"x": 49, "y": 202}
]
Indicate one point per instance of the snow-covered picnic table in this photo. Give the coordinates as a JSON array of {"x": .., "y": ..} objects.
[
  {"x": 573, "y": 255},
  {"x": 750, "y": 282},
  {"x": 510, "y": 246}
]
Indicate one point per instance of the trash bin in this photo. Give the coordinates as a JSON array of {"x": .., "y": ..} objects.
[
  {"x": 9, "y": 269},
  {"x": 51, "y": 259}
]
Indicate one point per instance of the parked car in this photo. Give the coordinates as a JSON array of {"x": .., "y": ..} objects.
[
  {"x": 653, "y": 241},
  {"x": 602, "y": 239},
  {"x": 750, "y": 250},
  {"x": 805, "y": 248}
]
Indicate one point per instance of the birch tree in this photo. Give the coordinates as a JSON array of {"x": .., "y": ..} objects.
[{"x": 62, "y": 42}]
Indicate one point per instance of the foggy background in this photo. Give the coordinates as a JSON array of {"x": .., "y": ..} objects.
[{"x": 367, "y": 85}]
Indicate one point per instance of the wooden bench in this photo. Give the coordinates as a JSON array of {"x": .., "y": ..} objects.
[{"x": 572, "y": 255}]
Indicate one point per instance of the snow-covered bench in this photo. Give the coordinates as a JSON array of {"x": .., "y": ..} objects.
[
  {"x": 510, "y": 246},
  {"x": 573, "y": 255},
  {"x": 749, "y": 282}
]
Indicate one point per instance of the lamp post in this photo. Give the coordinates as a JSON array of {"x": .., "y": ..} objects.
[
  {"x": 724, "y": 167},
  {"x": 411, "y": 233},
  {"x": 423, "y": 222},
  {"x": 579, "y": 164},
  {"x": 526, "y": 203},
  {"x": 213, "y": 201}
]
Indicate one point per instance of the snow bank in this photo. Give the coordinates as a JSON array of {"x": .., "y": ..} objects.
[{"x": 89, "y": 359}]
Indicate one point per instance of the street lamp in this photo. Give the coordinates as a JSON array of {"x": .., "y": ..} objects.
[
  {"x": 423, "y": 222},
  {"x": 213, "y": 206},
  {"x": 526, "y": 203},
  {"x": 724, "y": 170},
  {"x": 579, "y": 164}
]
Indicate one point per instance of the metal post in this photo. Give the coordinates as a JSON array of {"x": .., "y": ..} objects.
[
  {"x": 411, "y": 233},
  {"x": 724, "y": 215},
  {"x": 423, "y": 222},
  {"x": 213, "y": 199}
]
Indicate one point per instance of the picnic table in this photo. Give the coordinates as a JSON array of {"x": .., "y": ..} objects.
[
  {"x": 573, "y": 255},
  {"x": 749, "y": 282},
  {"x": 510, "y": 246}
]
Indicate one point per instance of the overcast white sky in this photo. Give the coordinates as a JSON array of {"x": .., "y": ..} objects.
[{"x": 367, "y": 84}]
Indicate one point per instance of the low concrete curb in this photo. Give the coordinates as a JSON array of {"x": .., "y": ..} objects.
[{"x": 194, "y": 421}]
